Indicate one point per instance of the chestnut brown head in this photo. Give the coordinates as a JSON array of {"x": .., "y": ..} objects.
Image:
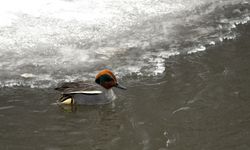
[{"x": 107, "y": 79}]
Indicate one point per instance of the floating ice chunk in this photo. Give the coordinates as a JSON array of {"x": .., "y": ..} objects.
[
  {"x": 212, "y": 43},
  {"x": 229, "y": 37},
  {"x": 198, "y": 49},
  {"x": 221, "y": 39},
  {"x": 246, "y": 20},
  {"x": 28, "y": 75},
  {"x": 160, "y": 67},
  {"x": 233, "y": 26},
  {"x": 167, "y": 54}
]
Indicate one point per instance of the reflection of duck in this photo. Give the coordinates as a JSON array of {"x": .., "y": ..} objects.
[{"x": 90, "y": 94}]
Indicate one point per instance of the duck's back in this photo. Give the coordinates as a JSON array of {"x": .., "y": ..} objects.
[{"x": 76, "y": 86}]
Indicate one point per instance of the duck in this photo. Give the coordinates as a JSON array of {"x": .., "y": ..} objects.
[{"x": 81, "y": 93}]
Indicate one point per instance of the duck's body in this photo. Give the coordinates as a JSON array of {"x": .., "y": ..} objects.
[
  {"x": 90, "y": 94},
  {"x": 85, "y": 94}
]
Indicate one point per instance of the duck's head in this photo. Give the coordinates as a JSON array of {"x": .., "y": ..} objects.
[{"x": 107, "y": 79}]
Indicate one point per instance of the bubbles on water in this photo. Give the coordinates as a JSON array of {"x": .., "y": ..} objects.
[{"x": 171, "y": 139}]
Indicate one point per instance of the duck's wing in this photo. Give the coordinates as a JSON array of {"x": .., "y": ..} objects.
[
  {"x": 78, "y": 87},
  {"x": 68, "y": 90}
]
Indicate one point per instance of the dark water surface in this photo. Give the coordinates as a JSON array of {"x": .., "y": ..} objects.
[{"x": 202, "y": 103}]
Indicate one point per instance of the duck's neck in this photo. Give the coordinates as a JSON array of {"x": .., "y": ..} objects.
[{"x": 110, "y": 94}]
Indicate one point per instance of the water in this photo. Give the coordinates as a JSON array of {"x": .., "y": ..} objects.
[{"x": 185, "y": 64}]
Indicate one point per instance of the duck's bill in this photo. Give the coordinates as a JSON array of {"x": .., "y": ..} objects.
[{"x": 121, "y": 87}]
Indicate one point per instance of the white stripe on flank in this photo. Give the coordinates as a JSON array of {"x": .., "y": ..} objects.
[{"x": 86, "y": 92}]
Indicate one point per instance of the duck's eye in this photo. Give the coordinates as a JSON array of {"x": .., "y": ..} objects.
[{"x": 104, "y": 78}]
